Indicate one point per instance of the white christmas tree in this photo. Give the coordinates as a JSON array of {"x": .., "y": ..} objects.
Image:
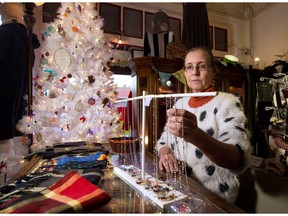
[{"x": 74, "y": 93}]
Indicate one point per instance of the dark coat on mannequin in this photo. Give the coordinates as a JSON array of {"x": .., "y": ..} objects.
[{"x": 13, "y": 76}]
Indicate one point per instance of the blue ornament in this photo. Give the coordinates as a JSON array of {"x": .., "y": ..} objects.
[
  {"x": 90, "y": 132},
  {"x": 51, "y": 72},
  {"x": 44, "y": 61}
]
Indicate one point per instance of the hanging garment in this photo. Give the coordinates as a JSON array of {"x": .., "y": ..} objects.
[{"x": 155, "y": 44}]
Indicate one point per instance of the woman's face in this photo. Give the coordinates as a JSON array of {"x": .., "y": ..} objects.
[{"x": 198, "y": 70}]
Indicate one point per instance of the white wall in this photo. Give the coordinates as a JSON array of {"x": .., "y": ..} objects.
[
  {"x": 271, "y": 33},
  {"x": 236, "y": 33}
]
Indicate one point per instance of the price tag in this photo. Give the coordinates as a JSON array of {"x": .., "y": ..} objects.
[{"x": 256, "y": 161}]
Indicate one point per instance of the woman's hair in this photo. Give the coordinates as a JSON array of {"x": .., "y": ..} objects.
[{"x": 205, "y": 49}]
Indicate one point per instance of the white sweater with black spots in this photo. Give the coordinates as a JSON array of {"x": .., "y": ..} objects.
[{"x": 224, "y": 119}]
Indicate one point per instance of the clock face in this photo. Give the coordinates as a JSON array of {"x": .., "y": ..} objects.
[{"x": 62, "y": 58}]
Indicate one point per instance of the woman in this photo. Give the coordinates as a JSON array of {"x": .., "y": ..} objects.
[{"x": 207, "y": 133}]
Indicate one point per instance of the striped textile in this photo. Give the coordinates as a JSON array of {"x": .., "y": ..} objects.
[{"x": 72, "y": 193}]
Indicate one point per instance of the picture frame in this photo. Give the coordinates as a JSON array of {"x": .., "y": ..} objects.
[
  {"x": 132, "y": 23},
  {"x": 112, "y": 24},
  {"x": 221, "y": 42}
]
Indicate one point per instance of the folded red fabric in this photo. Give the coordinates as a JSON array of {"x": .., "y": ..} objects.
[{"x": 72, "y": 193}]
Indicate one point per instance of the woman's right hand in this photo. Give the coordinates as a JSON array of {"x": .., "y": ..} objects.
[{"x": 167, "y": 160}]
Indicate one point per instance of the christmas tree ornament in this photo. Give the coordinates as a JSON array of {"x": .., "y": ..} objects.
[
  {"x": 90, "y": 132},
  {"x": 43, "y": 61},
  {"x": 51, "y": 29},
  {"x": 79, "y": 8},
  {"x": 52, "y": 95},
  {"x": 62, "y": 58},
  {"x": 68, "y": 10},
  {"x": 83, "y": 119},
  {"x": 79, "y": 106},
  {"x": 91, "y": 79},
  {"x": 61, "y": 30},
  {"x": 63, "y": 79},
  {"x": 74, "y": 29},
  {"x": 45, "y": 34},
  {"x": 91, "y": 101},
  {"x": 105, "y": 101}
]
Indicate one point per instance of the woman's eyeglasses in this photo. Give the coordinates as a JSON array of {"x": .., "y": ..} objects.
[{"x": 199, "y": 67}]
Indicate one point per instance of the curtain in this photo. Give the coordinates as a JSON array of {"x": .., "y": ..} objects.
[{"x": 195, "y": 25}]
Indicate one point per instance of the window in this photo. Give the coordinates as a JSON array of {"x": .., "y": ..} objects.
[
  {"x": 218, "y": 38},
  {"x": 132, "y": 23},
  {"x": 112, "y": 23}
]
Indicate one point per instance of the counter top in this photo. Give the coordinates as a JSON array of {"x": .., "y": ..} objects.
[{"x": 126, "y": 199}]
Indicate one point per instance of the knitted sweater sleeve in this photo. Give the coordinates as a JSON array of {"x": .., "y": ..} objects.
[{"x": 231, "y": 127}]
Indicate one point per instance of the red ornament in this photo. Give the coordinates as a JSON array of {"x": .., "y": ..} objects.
[
  {"x": 91, "y": 101},
  {"x": 75, "y": 29},
  {"x": 83, "y": 119},
  {"x": 63, "y": 79}
]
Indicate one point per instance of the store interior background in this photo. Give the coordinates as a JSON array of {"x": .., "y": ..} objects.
[{"x": 259, "y": 28}]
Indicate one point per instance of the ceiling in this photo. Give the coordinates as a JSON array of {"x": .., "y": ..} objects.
[{"x": 238, "y": 10}]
